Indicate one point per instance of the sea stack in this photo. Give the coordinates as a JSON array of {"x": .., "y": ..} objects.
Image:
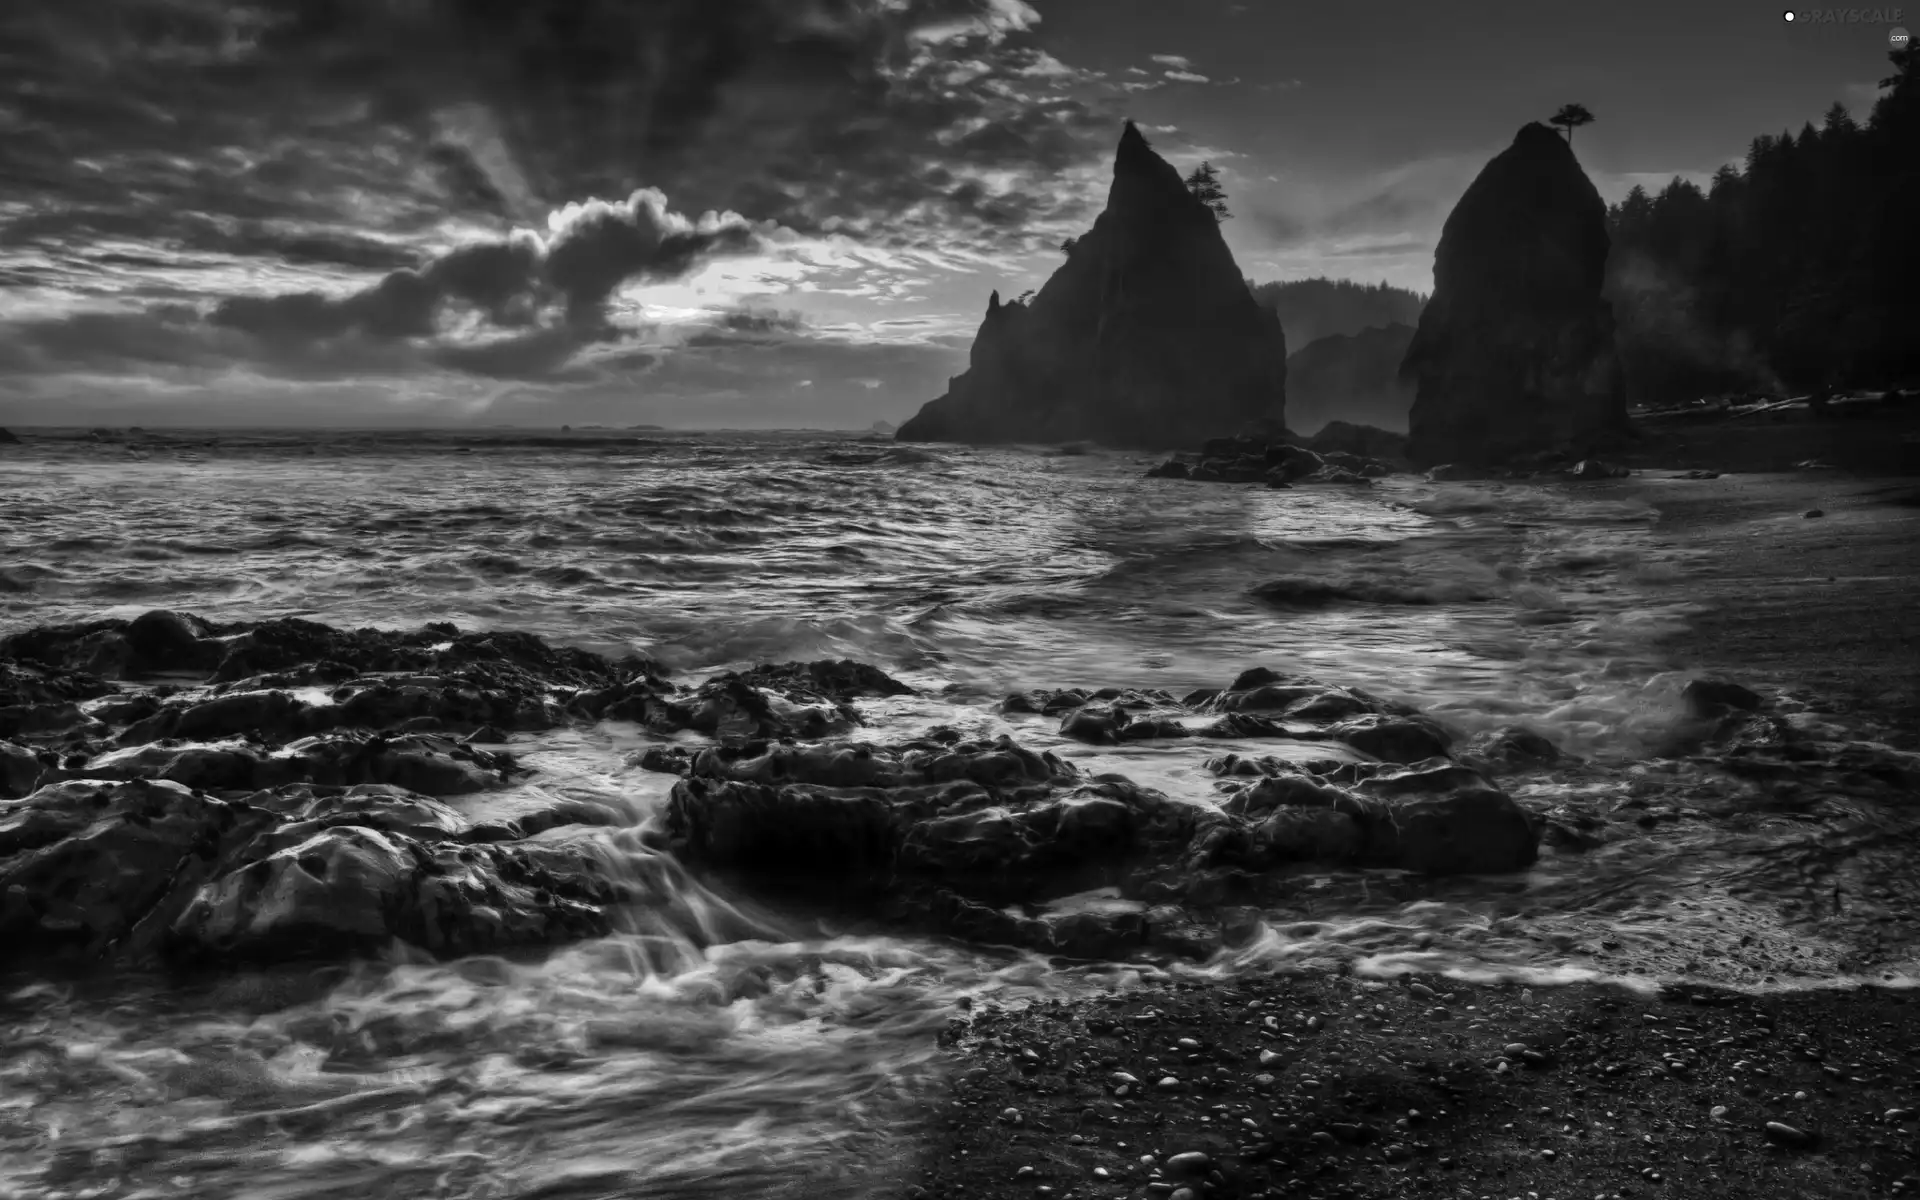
[
  {"x": 1515, "y": 352},
  {"x": 1145, "y": 337}
]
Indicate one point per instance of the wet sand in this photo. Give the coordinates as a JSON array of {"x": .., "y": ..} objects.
[{"x": 1307, "y": 1084}]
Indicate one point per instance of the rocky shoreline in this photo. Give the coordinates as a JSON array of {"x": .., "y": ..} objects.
[{"x": 177, "y": 790}]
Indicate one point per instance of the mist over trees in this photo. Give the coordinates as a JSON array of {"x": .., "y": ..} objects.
[
  {"x": 1310, "y": 309},
  {"x": 1797, "y": 271}
]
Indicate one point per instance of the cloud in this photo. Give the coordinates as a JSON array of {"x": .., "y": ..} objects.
[
  {"x": 1176, "y": 61},
  {"x": 558, "y": 284},
  {"x": 353, "y": 134},
  {"x": 1186, "y": 77},
  {"x": 395, "y": 193}
]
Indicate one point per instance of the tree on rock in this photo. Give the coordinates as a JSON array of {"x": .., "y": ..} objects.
[
  {"x": 1204, "y": 183},
  {"x": 1569, "y": 117}
]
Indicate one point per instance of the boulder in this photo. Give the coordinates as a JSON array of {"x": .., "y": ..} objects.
[
  {"x": 1146, "y": 336},
  {"x": 1515, "y": 351},
  {"x": 143, "y": 871}
]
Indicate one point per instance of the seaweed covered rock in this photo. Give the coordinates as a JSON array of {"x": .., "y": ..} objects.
[
  {"x": 1146, "y": 336},
  {"x": 1515, "y": 352}
]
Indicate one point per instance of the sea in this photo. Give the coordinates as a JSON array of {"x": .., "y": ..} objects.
[{"x": 795, "y": 1061}]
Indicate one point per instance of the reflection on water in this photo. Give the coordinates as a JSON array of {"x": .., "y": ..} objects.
[{"x": 712, "y": 1048}]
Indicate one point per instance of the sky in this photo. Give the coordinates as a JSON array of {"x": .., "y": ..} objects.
[{"x": 750, "y": 213}]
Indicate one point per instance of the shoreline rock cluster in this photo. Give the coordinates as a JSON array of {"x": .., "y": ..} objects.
[{"x": 176, "y": 790}]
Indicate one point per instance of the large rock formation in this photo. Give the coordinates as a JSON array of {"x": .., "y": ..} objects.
[
  {"x": 1146, "y": 336},
  {"x": 1515, "y": 352},
  {"x": 1350, "y": 377}
]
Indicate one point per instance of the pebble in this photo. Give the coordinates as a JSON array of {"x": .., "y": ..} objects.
[
  {"x": 1813, "y": 512},
  {"x": 1189, "y": 1164},
  {"x": 1169, "y": 1084},
  {"x": 1187, "y": 1044},
  {"x": 1025, "y": 1173},
  {"x": 1314, "y": 1022},
  {"x": 1516, "y": 1049},
  {"x": 1100, "y": 1172},
  {"x": 1269, "y": 1057},
  {"x": 1264, "y": 1082},
  {"x": 1900, "y": 1114},
  {"x": 1421, "y": 990},
  {"x": 1718, "y": 1112},
  {"x": 1011, "y": 1116},
  {"x": 1780, "y": 1132},
  {"x": 1184, "y": 1194}
]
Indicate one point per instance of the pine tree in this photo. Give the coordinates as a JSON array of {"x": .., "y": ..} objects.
[
  {"x": 1569, "y": 117},
  {"x": 1204, "y": 183}
]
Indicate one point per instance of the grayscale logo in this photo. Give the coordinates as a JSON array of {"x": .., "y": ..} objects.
[{"x": 1897, "y": 38}]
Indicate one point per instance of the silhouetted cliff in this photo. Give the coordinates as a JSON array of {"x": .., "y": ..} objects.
[
  {"x": 1356, "y": 379},
  {"x": 1146, "y": 336},
  {"x": 1515, "y": 351}
]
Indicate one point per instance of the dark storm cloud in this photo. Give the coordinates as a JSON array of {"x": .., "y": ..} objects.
[
  {"x": 519, "y": 282},
  {"x": 783, "y": 109}
]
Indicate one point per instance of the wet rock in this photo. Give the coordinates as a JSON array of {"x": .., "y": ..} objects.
[
  {"x": 1515, "y": 352},
  {"x": 1593, "y": 468},
  {"x": 1454, "y": 473},
  {"x": 1171, "y": 469},
  {"x": 838, "y": 680},
  {"x": 8, "y": 438},
  {"x": 85, "y": 866},
  {"x": 1181, "y": 350},
  {"x": 1401, "y": 739},
  {"x": 1096, "y": 726},
  {"x": 1429, "y": 775},
  {"x": 1712, "y": 698},
  {"x": 1513, "y": 748},
  {"x": 148, "y": 870},
  {"x": 20, "y": 768},
  {"x": 424, "y": 763},
  {"x": 162, "y": 641},
  {"x": 1176, "y": 931},
  {"x": 351, "y": 888}
]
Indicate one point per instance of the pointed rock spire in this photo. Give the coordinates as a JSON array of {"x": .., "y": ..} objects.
[{"x": 1146, "y": 336}]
